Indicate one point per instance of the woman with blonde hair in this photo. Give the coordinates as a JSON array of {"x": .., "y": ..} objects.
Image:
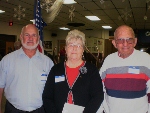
[{"x": 73, "y": 81}]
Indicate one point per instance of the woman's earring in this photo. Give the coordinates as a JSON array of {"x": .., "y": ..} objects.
[
  {"x": 83, "y": 57},
  {"x": 65, "y": 57}
]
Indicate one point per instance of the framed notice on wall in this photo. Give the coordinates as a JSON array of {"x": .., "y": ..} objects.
[{"x": 48, "y": 44}]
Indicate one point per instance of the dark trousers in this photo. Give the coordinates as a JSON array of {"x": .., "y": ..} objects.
[{"x": 9, "y": 108}]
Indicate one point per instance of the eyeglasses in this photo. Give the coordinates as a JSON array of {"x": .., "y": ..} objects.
[
  {"x": 28, "y": 35},
  {"x": 71, "y": 46},
  {"x": 122, "y": 40}
]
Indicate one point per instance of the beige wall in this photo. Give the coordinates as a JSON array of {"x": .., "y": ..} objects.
[
  {"x": 103, "y": 34},
  {"x": 10, "y": 30},
  {"x": 15, "y": 30}
]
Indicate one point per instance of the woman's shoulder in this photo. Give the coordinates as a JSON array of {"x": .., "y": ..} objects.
[
  {"x": 90, "y": 65},
  {"x": 59, "y": 65}
]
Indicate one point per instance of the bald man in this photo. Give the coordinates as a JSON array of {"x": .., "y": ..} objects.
[
  {"x": 126, "y": 75},
  {"x": 23, "y": 74}
]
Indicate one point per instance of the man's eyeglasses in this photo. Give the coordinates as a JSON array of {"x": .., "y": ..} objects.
[{"x": 122, "y": 40}]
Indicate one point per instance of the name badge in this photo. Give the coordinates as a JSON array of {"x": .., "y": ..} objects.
[
  {"x": 43, "y": 77},
  {"x": 134, "y": 70},
  {"x": 59, "y": 78}
]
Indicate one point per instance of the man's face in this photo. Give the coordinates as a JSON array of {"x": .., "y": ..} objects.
[
  {"x": 124, "y": 42},
  {"x": 29, "y": 38}
]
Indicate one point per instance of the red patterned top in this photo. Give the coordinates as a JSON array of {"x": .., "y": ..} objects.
[{"x": 72, "y": 74}]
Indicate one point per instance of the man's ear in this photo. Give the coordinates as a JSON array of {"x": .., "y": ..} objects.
[
  {"x": 114, "y": 43},
  {"x": 39, "y": 38},
  {"x": 20, "y": 37},
  {"x": 135, "y": 41}
]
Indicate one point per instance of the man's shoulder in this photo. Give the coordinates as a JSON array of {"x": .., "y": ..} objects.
[
  {"x": 10, "y": 55},
  {"x": 112, "y": 55},
  {"x": 46, "y": 60},
  {"x": 44, "y": 56},
  {"x": 141, "y": 53}
]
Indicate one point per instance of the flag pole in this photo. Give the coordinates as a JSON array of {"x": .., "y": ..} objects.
[{"x": 34, "y": 9}]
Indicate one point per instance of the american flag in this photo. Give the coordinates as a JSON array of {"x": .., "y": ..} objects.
[{"x": 39, "y": 23}]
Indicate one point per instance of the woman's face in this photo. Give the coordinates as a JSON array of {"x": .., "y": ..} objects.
[{"x": 74, "y": 49}]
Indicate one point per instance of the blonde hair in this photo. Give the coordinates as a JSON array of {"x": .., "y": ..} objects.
[{"x": 77, "y": 35}]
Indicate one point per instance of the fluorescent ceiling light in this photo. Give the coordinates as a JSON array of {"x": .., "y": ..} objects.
[
  {"x": 1, "y": 11},
  {"x": 141, "y": 50},
  {"x": 64, "y": 28},
  {"x": 69, "y": 2},
  {"x": 106, "y": 27},
  {"x": 32, "y": 20},
  {"x": 93, "y": 18}
]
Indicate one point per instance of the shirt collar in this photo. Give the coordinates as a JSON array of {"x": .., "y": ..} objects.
[
  {"x": 128, "y": 56},
  {"x": 37, "y": 54}
]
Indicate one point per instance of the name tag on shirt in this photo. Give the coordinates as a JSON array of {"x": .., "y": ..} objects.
[
  {"x": 134, "y": 70},
  {"x": 43, "y": 77},
  {"x": 59, "y": 78}
]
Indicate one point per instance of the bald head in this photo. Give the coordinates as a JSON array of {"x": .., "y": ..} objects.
[
  {"x": 29, "y": 26},
  {"x": 122, "y": 30}
]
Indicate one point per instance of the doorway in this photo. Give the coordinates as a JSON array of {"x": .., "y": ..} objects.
[{"x": 6, "y": 43}]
